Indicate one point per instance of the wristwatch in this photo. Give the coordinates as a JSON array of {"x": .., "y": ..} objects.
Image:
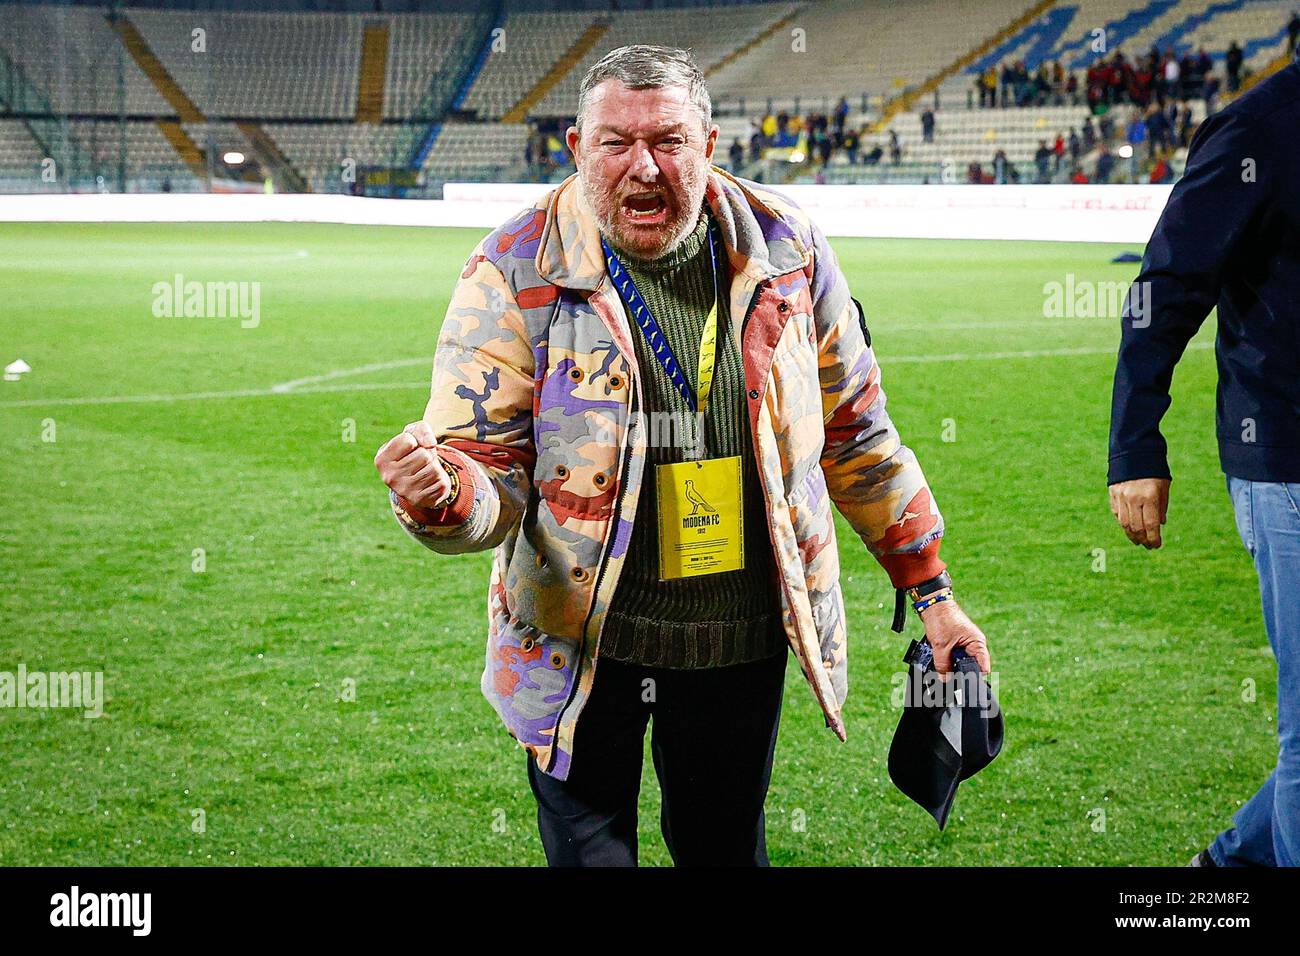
[
  {"x": 937, "y": 583},
  {"x": 919, "y": 593}
]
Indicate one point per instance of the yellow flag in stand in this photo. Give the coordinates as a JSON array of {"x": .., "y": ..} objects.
[{"x": 700, "y": 527}]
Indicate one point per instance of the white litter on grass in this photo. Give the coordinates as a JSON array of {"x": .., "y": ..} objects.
[{"x": 16, "y": 370}]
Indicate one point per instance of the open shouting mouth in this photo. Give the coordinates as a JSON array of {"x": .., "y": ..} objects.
[{"x": 644, "y": 209}]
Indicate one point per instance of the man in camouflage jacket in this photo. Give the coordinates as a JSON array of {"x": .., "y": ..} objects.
[{"x": 532, "y": 442}]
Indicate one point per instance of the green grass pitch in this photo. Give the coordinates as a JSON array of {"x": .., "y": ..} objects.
[{"x": 1123, "y": 688}]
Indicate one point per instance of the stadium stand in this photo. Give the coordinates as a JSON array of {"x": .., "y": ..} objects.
[
  {"x": 421, "y": 46},
  {"x": 534, "y": 42},
  {"x": 73, "y": 57},
  {"x": 150, "y": 159},
  {"x": 729, "y": 27},
  {"x": 20, "y": 156},
  {"x": 1065, "y": 33},
  {"x": 327, "y": 153},
  {"x": 477, "y": 151},
  {"x": 904, "y": 49},
  {"x": 260, "y": 66},
  {"x": 484, "y": 93}
]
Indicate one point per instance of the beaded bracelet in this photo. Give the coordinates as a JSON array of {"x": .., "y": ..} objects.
[{"x": 930, "y": 600}]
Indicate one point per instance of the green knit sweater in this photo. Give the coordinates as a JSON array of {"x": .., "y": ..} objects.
[{"x": 712, "y": 620}]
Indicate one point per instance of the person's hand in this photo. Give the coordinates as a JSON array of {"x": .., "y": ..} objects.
[
  {"x": 1140, "y": 506},
  {"x": 409, "y": 464},
  {"x": 947, "y": 627}
]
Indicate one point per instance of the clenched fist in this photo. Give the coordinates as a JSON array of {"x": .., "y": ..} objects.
[
  {"x": 1140, "y": 506},
  {"x": 409, "y": 464}
]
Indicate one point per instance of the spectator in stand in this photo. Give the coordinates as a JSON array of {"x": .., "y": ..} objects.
[
  {"x": 841, "y": 114},
  {"x": 1204, "y": 65},
  {"x": 1072, "y": 88},
  {"x": 974, "y": 174},
  {"x": 1074, "y": 147},
  {"x": 1162, "y": 172},
  {"x": 1107, "y": 127},
  {"x": 755, "y": 142},
  {"x": 1189, "y": 86},
  {"x": 1292, "y": 32},
  {"x": 851, "y": 143},
  {"x": 873, "y": 158},
  {"x": 1141, "y": 82},
  {"x": 1095, "y": 81},
  {"x": 1042, "y": 159},
  {"x": 927, "y": 125},
  {"x": 1105, "y": 165},
  {"x": 1058, "y": 83},
  {"x": 1210, "y": 89},
  {"x": 1136, "y": 136},
  {"x": 895, "y": 149},
  {"x": 737, "y": 155},
  {"x": 1233, "y": 60},
  {"x": 1078, "y": 176},
  {"x": 1025, "y": 85},
  {"x": 1042, "y": 85},
  {"x": 768, "y": 128},
  {"x": 824, "y": 143},
  {"x": 1000, "y": 170},
  {"x": 1157, "y": 129},
  {"x": 988, "y": 87},
  {"x": 814, "y": 144},
  {"x": 1058, "y": 151},
  {"x": 1089, "y": 135},
  {"x": 1008, "y": 77},
  {"x": 1185, "y": 126},
  {"x": 1172, "y": 74},
  {"x": 1119, "y": 79}
]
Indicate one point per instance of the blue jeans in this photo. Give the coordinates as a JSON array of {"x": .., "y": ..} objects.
[{"x": 1266, "y": 830}]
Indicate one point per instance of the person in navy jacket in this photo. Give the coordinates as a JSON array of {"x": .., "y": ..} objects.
[{"x": 1229, "y": 238}]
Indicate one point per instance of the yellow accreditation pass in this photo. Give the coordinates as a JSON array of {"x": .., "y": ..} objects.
[{"x": 700, "y": 531}]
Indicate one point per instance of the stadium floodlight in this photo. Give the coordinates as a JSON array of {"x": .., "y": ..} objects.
[
  {"x": 1126, "y": 151},
  {"x": 233, "y": 158}
]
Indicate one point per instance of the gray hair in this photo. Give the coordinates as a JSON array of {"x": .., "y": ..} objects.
[{"x": 643, "y": 67}]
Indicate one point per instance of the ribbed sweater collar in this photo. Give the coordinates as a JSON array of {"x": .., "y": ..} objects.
[{"x": 686, "y": 251}]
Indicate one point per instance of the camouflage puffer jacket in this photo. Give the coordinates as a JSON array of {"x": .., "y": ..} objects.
[{"x": 535, "y": 394}]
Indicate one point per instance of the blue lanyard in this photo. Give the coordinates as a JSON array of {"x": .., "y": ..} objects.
[{"x": 658, "y": 342}]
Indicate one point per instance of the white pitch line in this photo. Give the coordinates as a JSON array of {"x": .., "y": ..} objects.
[
  {"x": 889, "y": 360},
  {"x": 347, "y": 372},
  {"x": 205, "y": 396}
]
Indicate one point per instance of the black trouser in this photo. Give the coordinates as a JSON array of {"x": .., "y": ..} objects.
[{"x": 713, "y": 739}]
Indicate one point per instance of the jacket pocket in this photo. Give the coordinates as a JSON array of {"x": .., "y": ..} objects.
[{"x": 528, "y": 678}]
